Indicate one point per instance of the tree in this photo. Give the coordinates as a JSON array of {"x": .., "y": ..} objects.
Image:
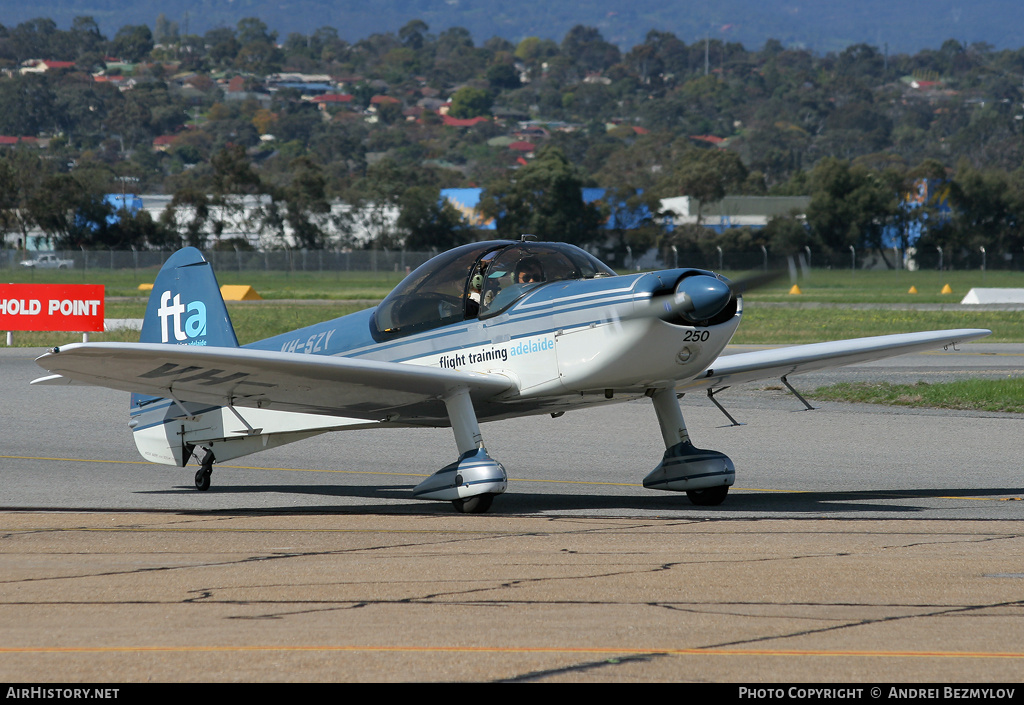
[
  {"x": 128, "y": 119},
  {"x": 587, "y": 49},
  {"x": 469, "y": 102},
  {"x": 86, "y": 36},
  {"x": 788, "y": 235},
  {"x": 430, "y": 221},
  {"x": 133, "y": 42},
  {"x": 258, "y": 53},
  {"x": 65, "y": 207},
  {"x": 8, "y": 198},
  {"x": 307, "y": 209},
  {"x": 545, "y": 199},
  {"x": 375, "y": 201},
  {"x": 503, "y": 77},
  {"x": 631, "y": 216},
  {"x": 707, "y": 175},
  {"x": 849, "y": 206},
  {"x": 413, "y": 34},
  {"x": 222, "y": 43},
  {"x": 21, "y": 174},
  {"x": 986, "y": 209},
  {"x": 253, "y": 29},
  {"x": 26, "y": 106},
  {"x": 164, "y": 31},
  {"x": 187, "y": 216},
  {"x": 233, "y": 178}
]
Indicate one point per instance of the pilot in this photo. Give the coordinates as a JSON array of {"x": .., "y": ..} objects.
[{"x": 529, "y": 271}]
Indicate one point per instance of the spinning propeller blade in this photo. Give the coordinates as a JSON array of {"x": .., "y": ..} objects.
[{"x": 757, "y": 280}]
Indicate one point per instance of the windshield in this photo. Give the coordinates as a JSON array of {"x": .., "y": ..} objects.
[
  {"x": 525, "y": 266},
  {"x": 480, "y": 279}
]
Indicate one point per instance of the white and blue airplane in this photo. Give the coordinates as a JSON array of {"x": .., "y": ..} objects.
[{"x": 486, "y": 331}]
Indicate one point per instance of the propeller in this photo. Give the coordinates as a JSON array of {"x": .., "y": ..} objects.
[
  {"x": 697, "y": 298},
  {"x": 700, "y": 297}
]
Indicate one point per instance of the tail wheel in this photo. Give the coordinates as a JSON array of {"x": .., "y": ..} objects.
[
  {"x": 203, "y": 479},
  {"x": 205, "y": 472}
]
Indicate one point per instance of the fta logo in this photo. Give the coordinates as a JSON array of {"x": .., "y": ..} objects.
[{"x": 186, "y": 321}]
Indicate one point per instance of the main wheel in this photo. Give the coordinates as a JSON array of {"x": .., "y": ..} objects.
[
  {"x": 473, "y": 505},
  {"x": 710, "y": 497}
]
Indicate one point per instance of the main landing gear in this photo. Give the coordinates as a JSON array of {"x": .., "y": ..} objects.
[
  {"x": 704, "y": 475},
  {"x": 471, "y": 482},
  {"x": 204, "y": 472}
]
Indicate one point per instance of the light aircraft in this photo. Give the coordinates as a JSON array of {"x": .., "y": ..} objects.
[{"x": 486, "y": 331}]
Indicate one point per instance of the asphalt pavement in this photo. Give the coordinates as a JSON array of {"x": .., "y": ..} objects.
[{"x": 860, "y": 544}]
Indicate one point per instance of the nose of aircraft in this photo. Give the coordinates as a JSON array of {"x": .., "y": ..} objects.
[{"x": 700, "y": 297}]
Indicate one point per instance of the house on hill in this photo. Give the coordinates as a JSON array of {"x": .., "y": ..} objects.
[{"x": 44, "y": 65}]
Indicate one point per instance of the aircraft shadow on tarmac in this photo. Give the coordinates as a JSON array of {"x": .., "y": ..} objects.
[{"x": 739, "y": 502}]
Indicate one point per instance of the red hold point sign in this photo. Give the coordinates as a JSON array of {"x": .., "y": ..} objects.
[{"x": 52, "y": 307}]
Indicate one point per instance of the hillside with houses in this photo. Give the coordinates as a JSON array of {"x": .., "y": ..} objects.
[{"x": 423, "y": 139}]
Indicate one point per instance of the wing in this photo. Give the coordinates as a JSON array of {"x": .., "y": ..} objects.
[
  {"x": 764, "y": 364},
  {"x": 335, "y": 386}
]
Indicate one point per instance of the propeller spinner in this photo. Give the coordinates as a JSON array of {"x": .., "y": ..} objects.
[{"x": 700, "y": 297}]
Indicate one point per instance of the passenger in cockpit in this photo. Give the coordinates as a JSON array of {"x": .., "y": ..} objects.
[{"x": 529, "y": 271}]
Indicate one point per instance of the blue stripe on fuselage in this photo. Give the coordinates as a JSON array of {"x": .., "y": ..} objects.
[{"x": 350, "y": 335}]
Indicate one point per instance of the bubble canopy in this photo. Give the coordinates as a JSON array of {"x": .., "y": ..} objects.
[{"x": 481, "y": 279}]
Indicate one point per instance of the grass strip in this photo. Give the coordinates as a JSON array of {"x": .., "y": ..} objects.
[
  {"x": 968, "y": 394},
  {"x": 792, "y": 326}
]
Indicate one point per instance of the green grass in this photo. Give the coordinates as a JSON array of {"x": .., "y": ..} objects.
[
  {"x": 782, "y": 326},
  {"x": 882, "y": 286},
  {"x": 968, "y": 394}
]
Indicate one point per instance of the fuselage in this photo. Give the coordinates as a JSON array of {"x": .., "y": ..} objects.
[{"x": 557, "y": 325}]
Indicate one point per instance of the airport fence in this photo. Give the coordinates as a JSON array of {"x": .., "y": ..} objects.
[
  {"x": 401, "y": 261},
  {"x": 240, "y": 260}
]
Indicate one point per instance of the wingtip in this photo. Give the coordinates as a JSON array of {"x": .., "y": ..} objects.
[{"x": 51, "y": 380}]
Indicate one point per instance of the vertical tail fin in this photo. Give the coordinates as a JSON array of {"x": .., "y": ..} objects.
[{"x": 185, "y": 307}]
